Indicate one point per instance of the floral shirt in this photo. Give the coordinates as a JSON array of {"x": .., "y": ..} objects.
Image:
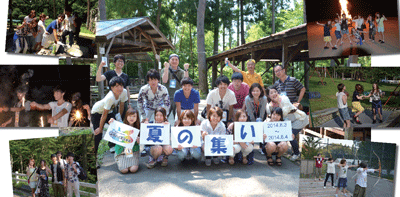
[
  {"x": 147, "y": 100},
  {"x": 70, "y": 174}
]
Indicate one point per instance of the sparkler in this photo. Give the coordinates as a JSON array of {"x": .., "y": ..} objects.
[
  {"x": 77, "y": 116},
  {"x": 23, "y": 101},
  {"x": 41, "y": 121},
  {"x": 343, "y": 5}
]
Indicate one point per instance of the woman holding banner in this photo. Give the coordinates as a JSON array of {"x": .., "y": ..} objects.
[
  {"x": 245, "y": 147},
  {"x": 279, "y": 148},
  {"x": 158, "y": 153},
  {"x": 128, "y": 159},
  {"x": 212, "y": 126},
  {"x": 298, "y": 118},
  {"x": 186, "y": 119}
]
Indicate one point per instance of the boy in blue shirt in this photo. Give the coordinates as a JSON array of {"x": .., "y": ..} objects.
[{"x": 51, "y": 31}]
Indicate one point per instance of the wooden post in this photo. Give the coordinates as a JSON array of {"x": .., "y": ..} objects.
[
  {"x": 100, "y": 84},
  {"x": 17, "y": 177},
  {"x": 306, "y": 75},
  {"x": 222, "y": 67},
  {"x": 284, "y": 54},
  {"x": 243, "y": 66}
]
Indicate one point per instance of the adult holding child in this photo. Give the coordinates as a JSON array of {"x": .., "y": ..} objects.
[{"x": 171, "y": 76}]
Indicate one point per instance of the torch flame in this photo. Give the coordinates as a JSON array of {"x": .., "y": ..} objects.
[{"x": 343, "y": 5}]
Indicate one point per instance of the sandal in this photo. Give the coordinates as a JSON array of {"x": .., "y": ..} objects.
[
  {"x": 164, "y": 161},
  {"x": 270, "y": 163},
  {"x": 245, "y": 161},
  {"x": 278, "y": 163}
]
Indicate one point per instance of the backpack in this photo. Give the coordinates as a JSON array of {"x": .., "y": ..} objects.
[{"x": 82, "y": 173}]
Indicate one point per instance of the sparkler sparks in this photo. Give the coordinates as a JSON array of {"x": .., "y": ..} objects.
[
  {"x": 77, "y": 117},
  {"x": 41, "y": 121}
]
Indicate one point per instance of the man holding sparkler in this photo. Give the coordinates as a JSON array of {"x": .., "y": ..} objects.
[{"x": 60, "y": 108}]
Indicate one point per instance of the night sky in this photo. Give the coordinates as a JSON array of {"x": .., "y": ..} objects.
[{"x": 318, "y": 10}]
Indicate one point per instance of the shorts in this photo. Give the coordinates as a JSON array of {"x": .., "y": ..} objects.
[
  {"x": 39, "y": 37},
  {"x": 357, "y": 106},
  {"x": 381, "y": 29},
  {"x": 327, "y": 38},
  {"x": 346, "y": 31},
  {"x": 344, "y": 113},
  {"x": 338, "y": 35},
  {"x": 377, "y": 105},
  {"x": 342, "y": 183}
]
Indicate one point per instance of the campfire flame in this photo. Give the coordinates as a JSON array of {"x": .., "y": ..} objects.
[{"x": 343, "y": 5}]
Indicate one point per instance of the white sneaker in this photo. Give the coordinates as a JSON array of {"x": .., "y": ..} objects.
[
  {"x": 112, "y": 150},
  {"x": 294, "y": 157},
  {"x": 324, "y": 187}
]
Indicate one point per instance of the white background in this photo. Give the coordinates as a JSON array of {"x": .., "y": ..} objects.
[{"x": 390, "y": 136}]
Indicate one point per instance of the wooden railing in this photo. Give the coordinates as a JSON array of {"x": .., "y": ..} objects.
[{"x": 81, "y": 184}]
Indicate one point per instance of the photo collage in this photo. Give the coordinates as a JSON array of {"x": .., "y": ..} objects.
[{"x": 200, "y": 98}]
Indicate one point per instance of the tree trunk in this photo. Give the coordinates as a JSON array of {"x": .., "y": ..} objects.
[
  {"x": 216, "y": 28},
  {"x": 230, "y": 38},
  {"x": 88, "y": 15},
  {"x": 102, "y": 10},
  {"x": 54, "y": 9},
  {"x": 181, "y": 40},
  {"x": 84, "y": 152},
  {"x": 238, "y": 26},
  {"x": 242, "y": 22},
  {"x": 158, "y": 13},
  {"x": 191, "y": 49},
  {"x": 201, "y": 47},
  {"x": 273, "y": 16},
  {"x": 10, "y": 16}
]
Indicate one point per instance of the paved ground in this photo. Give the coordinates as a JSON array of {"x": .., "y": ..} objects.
[
  {"x": 309, "y": 187},
  {"x": 366, "y": 119},
  {"x": 258, "y": 179},
  {"x": 316, "y": 42}
]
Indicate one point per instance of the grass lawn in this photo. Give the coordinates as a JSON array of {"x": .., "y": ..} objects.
[{"x": 328, "y": 93}]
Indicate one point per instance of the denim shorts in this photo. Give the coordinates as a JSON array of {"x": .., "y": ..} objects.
[
  {"x": 377, "y": 105},
  {"x": 344, "y": 113},
  {"x": 342, "y": 183},
  {"x": 338, "y": 34}
]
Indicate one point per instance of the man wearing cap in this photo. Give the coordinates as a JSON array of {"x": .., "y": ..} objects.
[
  {"x": 250, "y": 76},
  {"x": 171, "y": 76}
]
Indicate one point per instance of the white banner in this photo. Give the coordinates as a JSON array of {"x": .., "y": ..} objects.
[
  {"x": 218, "y": 145},
  {"x": 248, "y": 131},
  {"x": 278, "y": 131},
  {"x": 185, "y": 136},
  {"x": 121, "y": 134},
  {"x": 152, "y": 134}
]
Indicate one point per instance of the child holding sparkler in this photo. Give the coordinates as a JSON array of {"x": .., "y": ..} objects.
[{"x": 60, "y": 108}]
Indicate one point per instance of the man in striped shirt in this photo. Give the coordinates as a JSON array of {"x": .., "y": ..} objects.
[{"x": 288, "y": 85}]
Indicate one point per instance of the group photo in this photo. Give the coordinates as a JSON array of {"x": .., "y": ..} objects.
[
  {"x": 44, "y": 96},
  {"x": 167, "y": 122},
  {"x": 352, "y": 27},
  {"x": 60, "y": 28},
  {"x": 355, "y": 97}
]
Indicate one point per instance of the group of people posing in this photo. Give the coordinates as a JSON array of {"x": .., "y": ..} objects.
[
  {"x": 356, "y": 35},
  {"x": 374, "y": 96},
  {"x": 361, "y": 173},
  {"x": 64, "y": 173},
  {"x": 63, "y": 113},
  {"x": 244, "y": 100},
  {"x": 32, "y": 35}
]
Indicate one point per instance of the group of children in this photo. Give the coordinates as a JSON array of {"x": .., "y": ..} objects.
[
  {"x": 63, "y": 113},
  {"x": 64, "y": 172},
  {"x": 361, "y": 180},
  {"x": 375, "y": 98},
  {"x": 342, "y": 25}
]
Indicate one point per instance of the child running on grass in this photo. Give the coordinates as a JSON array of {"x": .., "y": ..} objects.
[
  {"x": 342, "y": 105},
  {"x": 357, "y": 108},
  {"x": 327, "y": 34}
]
